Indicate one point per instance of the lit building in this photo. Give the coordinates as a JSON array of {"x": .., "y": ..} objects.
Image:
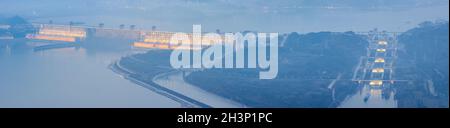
[
  {"x": 68, "y": 33},
  {"x": 382, "y": 42},
  {"x": 158, "y": 37},
  {"x": 376, "y": 83},
  {"x": 379, "y": 60},
  {"x": 378, "y": 70},
  {"x": 59, "y": 33},
  {"x": 161, "y": 40},
  {"x": 51, "y": 37},
  {"x": 381, "y": 50}
]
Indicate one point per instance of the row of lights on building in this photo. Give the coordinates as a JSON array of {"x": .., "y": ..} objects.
[{"x": 379, "y": 60}]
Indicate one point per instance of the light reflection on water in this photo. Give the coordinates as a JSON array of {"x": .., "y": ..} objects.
[
  {"x": 369, "y": 97},
  {"x": 76, "y": 77},
  {"x": 70, "y": 77}
]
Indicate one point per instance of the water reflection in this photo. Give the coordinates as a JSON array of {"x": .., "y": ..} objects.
[
  {"x": 371, "y": 97},
  {"x": 69, "y": 77}
]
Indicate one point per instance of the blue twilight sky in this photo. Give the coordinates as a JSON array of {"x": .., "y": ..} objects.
[{"x": 236, "y": 15}]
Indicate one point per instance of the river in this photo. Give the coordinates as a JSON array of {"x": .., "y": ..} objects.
[
  {"x": 74, "y": 77},
  {"x": 70, "y": 77},
  {"x": 369, "y": 97},
  {"x": 174, "y": 81}
]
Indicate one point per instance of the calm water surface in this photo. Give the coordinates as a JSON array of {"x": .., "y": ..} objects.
[{"x": 70, "y": 77}]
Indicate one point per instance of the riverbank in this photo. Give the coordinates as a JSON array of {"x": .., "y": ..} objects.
[
  {"x": 153, "y": 71},
  {"x": 175, "y": 80},
  {"x": 68, "y": 78},
  {"x": 137, "y": 79}
]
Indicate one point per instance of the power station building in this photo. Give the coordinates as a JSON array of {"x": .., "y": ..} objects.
[{"x": 59, "y": 33}]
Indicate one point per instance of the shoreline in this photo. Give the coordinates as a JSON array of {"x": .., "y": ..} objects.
[
  {"x": 183, "y": 100},
  {"x": 175, "y": 80}
]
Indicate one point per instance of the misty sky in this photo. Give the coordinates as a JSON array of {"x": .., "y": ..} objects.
[{"x": 236, "y": 15}]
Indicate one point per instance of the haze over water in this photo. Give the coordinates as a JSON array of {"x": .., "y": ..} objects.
[
  {"x": 236, "y": 15},
  {"x": 70, "y": 77},
  {"x": 77, "y": 77}
]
